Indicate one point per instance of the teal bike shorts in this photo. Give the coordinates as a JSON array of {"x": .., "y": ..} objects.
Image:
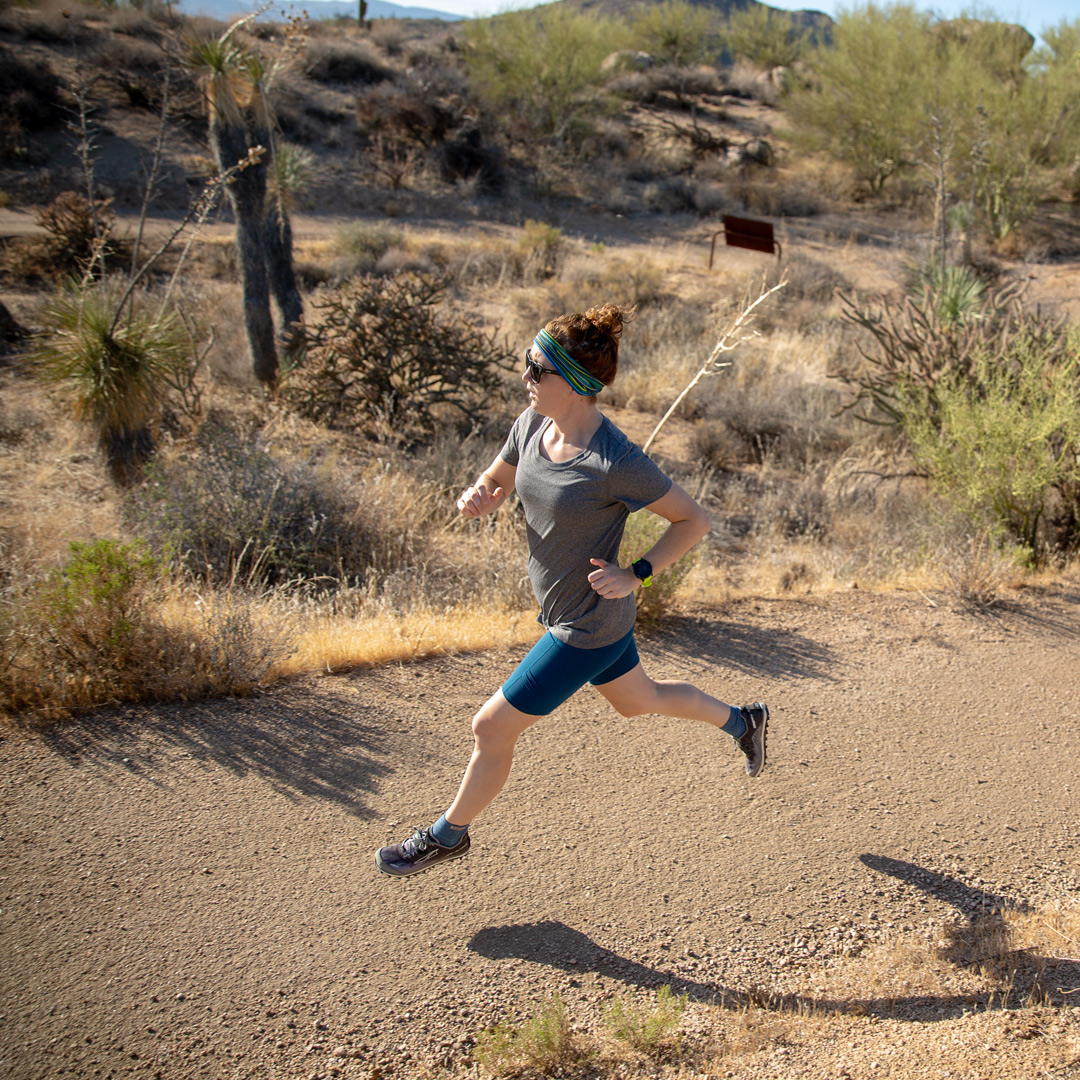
[{"x": 553, "y": 671}]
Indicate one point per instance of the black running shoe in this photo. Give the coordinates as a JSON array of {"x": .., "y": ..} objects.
[
  {"x": 419, "y": 852},
  {"x": 752, "y": 744}
]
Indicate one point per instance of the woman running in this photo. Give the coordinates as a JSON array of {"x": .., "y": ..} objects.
[{"x": 578, "y": 478}]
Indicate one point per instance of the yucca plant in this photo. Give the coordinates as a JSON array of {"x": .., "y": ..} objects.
[
  {"x": 291, "y": 170},
  {"x": 115, "y": 372},
  {"x": 235, "y": 83}
]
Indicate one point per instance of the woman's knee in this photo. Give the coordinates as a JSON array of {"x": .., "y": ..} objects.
[
  {"x": 630, "y": 704},
  {"x": 493, "y": 729}
]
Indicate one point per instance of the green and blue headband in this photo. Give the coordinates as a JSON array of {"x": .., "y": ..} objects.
[{"x": 580, "y": 380}]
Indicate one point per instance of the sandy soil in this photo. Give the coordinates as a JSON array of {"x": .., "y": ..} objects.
[{"x": 188, "y": 890}]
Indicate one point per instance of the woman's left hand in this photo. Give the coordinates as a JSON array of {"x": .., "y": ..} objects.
[{"x": 610, "y": 581}]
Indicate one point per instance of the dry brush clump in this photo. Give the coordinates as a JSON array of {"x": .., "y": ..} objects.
[{"x": 108, "y": 626}]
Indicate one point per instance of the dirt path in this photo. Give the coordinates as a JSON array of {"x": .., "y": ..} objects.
[{"x": 188, "y": 891}]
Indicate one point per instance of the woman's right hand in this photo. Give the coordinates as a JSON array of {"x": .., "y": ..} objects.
[{"x": 476, "y": 501}]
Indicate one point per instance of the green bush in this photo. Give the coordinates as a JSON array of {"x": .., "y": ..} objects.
[
  {"x": 117, "y": 368},
  {"x": 544, "y": 1045},
  {"x": 535, "y": 68},
  {"x": 91, "y": 633},
  {"x": 1003, "y": 438},
  {"x": 675, "y": 32},
  {"x": 95, "y": 603},
  {"x": 656, "y": 602},
  {"x": 388, "y": 356},
  {"x": 897, "y": 91},
  {"x": 649, "y": 1031},
  {"x": 765, "y": 37}
]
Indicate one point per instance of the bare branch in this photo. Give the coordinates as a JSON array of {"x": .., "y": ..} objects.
[{"x": 732, "y": 337}]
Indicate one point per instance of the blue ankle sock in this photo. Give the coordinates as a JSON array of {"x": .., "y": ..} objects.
[
  {"x": 446, "y": 834},
  {"x": 736, "y": 725}
]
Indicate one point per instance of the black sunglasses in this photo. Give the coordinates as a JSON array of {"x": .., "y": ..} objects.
[{"x": 536, "y": 372}]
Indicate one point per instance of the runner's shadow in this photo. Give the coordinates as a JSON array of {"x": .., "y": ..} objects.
[{"x": 557, "y": 945}]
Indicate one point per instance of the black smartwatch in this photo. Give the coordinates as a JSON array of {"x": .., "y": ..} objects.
[{"x": 643, "y": 572}]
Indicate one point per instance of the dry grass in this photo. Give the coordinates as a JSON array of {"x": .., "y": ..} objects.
[{"x": 795, "y": 489}]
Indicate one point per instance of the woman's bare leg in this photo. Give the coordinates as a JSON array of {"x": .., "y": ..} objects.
[
  {"x": 635, "y": 694},
  {"x": 496, "y": 728}
]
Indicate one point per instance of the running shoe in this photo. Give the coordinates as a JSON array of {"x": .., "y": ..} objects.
[
  {"x": 420, "y": 852},
  {"x": 752, "y": 743}
]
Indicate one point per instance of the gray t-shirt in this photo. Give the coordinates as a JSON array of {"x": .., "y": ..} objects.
[{"x": 575, "y": 511}]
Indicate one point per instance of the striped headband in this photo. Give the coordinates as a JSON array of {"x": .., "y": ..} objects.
[{"x": 581, "y": 382}]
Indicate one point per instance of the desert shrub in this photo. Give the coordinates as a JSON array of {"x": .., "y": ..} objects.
[
  {"x": 116, "y": 365},
  {"x": 342, "y": 61},
  {"x": 471, "y": 156},
  {"x": 54, "y": 23},
  {"x": 95, "y": 602},
  {"x": 73, "y": 241},
  {"x": 387, "y": 352},
  {"x": 777, "y": 195},
  {"x": 648, "y": 1031},
  {"x": 136, "y": 65},
  {"x": 407, "y": 112},
  {"x": 540, "y": 247},
  {"x": 656, "y": 602},
  {"x": 894, "y": 80},
  {"x": 765, "y": 37},
  {"x": 361, "y": 246},
  {"x": 1002, "y": 436},
  {"x": 93, "y": 633},
  {"x": 716, "y": 445},
  {"x": 671, "y": 195},
  {"x": 29, "y": 102},
  {"x": 230, "y": 511},
  {"x": 544, "y": 1045},
  {"x": 534, "y": 68},
  {"x": 914, "y": 345},
  {"x": 675, "y": 32},
  {"x": 976, "y": 569},
  {"x": 808, "y": 279}
]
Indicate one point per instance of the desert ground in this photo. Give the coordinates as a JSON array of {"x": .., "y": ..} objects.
[{"x": 189, "y": 890}]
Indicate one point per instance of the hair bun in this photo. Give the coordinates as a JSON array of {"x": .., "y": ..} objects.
[{"x": 610, "y": 318}]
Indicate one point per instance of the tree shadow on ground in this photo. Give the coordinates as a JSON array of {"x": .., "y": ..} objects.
[
  {"x": 556, "y": 945},
  {"x": 302, "y": 745},
  {"x": 772, "y": 651},
  {"x": 981, "y": 943},
  {"x": 1050, "y": 609}
]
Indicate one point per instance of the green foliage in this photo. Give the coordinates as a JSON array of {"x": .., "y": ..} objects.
[
  {"x": 656, "y": 602},
  {"x": 361, "y": 246},
  {"x": 1002, "y": 436},
  {"x": 864, "y": 103},
  {"x": 117, "y": 367},
  {"x": 895, "y": 88},
  {"x": 536, "y": 67},
  {"x": 649, "y": 1031},
  {"x": 545, "y": 1045},
  {"x": 541, "y": 245},
  {"x": 95, "y": 603},
  {"x": 915, "y": 345},
  {"x": 675, "y": 32},
  {"x": 765, "y": 37},
  {"x": 229, "y": 511},
  {"x": 388, "y": 354},
  {"x": 957, "y": 292}
]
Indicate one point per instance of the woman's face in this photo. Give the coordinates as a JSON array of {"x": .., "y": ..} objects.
[{"x": 550, "y": 393}]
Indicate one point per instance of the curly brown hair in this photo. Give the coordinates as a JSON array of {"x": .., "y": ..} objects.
[{"x": 592, "y": 339}]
